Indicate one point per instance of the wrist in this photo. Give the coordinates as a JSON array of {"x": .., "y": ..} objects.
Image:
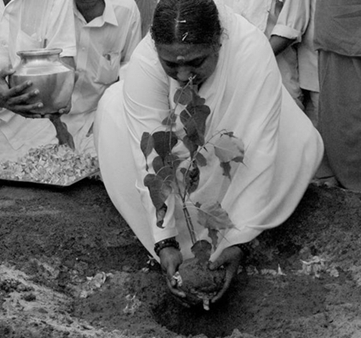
[
  {"x": 245, "y": 248},
  {"x": 166, "y": 243}
]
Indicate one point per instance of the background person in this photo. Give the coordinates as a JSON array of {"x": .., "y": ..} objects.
[
  {"x": 107, "y": 32},
  {"x": 293, "y": 34},
  {"x": 308, "y": 63},
  {"x": 282, "y": 22},
  {"x": 338, "y": 41},
  {"x": 26, "y": 25},
  {"x": 104, "y": 35},
  {"x": 236, "y": 73}
]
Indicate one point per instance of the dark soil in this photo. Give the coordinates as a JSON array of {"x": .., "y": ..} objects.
[{"x": 71, "y": 267}]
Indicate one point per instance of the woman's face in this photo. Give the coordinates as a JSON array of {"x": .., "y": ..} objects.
[{"x": 184, "y": 61}]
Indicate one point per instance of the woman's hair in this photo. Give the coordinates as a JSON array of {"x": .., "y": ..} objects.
[{"x": 186, "y": 21}]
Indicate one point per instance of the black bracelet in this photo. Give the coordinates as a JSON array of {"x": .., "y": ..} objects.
[
  {"x": 166, "y": 243},
  {"x": 245, "y": 248}
]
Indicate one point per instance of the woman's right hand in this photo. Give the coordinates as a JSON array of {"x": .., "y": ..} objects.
[
  {"x": 170, "y": 259},
  {"x": 16, "y": 99}
]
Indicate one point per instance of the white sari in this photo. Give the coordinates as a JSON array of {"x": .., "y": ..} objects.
[{"x": 245, "y": 95}]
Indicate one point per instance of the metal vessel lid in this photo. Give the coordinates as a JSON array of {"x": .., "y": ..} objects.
[{"x": 40, "y": 51}]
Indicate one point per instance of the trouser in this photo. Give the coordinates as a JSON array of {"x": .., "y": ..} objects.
[{"x": 340, "y": 116}]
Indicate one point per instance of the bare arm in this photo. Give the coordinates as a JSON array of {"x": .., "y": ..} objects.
[
  {"x": 280, "y": 43},
  {"x": 69, "y": 60}
]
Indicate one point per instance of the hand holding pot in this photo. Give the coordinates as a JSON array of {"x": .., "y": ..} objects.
[
  {"x": 19, "y": 99},
  {"x": 230, "y": 259},
  {"x": 170, "y": 260},
  {"x": 52, "y": 79}
]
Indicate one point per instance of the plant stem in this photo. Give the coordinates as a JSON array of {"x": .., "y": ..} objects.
[{"x": 189, "y": 223}]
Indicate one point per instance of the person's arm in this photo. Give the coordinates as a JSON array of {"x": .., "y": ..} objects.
[
  {"x": 146, "y": 103},
  {"x": 280, "y": 43},
  {"x": 16, "y": 99},
  {"x": 291, "y": 24},
  {"x": 69, "y": 60}
]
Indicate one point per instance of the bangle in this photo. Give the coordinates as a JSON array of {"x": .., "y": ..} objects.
[
  {"x": 166, "y": 243},
  {"x": 245, "y": 248}
]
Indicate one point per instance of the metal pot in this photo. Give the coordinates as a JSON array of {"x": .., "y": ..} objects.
[{"x": 53, "y": 78}]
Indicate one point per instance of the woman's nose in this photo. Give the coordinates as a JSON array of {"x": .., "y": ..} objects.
[{"x": 184, "y": 73}]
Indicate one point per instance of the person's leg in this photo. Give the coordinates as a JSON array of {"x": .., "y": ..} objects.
[
  {"x": 340, "y": 116},
  {"x": 311, "y": 105}
]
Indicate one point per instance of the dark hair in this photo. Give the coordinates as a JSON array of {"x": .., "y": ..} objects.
[{"x": 186, "y": 21}]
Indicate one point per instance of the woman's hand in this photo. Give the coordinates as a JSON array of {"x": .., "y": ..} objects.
[
  {"x": 16, "y": 99},
  {"x": 230, "y": 259},
  {"x": 170, "y": 259}
]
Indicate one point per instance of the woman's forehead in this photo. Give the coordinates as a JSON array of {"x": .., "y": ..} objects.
[{"x": 183, "y": 52}]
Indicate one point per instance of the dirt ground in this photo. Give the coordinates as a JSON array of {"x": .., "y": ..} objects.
[{"x": 71, "y": 267}]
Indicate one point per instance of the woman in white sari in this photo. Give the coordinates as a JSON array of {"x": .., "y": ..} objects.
[{"x": 233, "y": 68}]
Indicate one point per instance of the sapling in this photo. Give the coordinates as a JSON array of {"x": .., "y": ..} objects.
[{"x": 178, "y": 173}]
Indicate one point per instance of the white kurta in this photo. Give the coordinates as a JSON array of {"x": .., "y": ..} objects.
[
  {"x": 307, "y": 54},
  {"x": 283, "y": 18},
  {"x": 29, "y": 24},
  {"x": 104, "y": 45},
  {"x": 246, "y": 96}
]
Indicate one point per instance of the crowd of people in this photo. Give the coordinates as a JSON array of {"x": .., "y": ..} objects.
[{"x": 281, "y": 77}]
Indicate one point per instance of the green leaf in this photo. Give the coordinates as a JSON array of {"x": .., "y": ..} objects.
[
  {"x": 192, "y": 147},
  {"x": 229, "y": 148},
  {"x": 194, "y": 121},
  {"x": 146, "y": 145},
  {"x": 191, "y": 178},
  {"x": 194, "y": 118},
  {"x": 157, "y": 163},
  {"x": 183, "y": 95},
  {"x": 167, "y": 174},
  {"x": 213, "y": 216},
  {"x": 201, "y": 160},
  {"x": 197, "y": 100},
  {"x": 160, "y": 215},
  {"x": 159, "y": 189},
  {"x": 172, "y": 161},
  {"x": 226, "y": 166},
  {"x": 164, "y": 141},
  {"x": 170, "y": 120}
]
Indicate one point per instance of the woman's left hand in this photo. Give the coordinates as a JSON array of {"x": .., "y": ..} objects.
[{"x": 230, "y": 259}]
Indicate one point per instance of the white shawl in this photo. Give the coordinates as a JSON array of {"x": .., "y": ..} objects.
[{"x": 245, "y": 95}]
